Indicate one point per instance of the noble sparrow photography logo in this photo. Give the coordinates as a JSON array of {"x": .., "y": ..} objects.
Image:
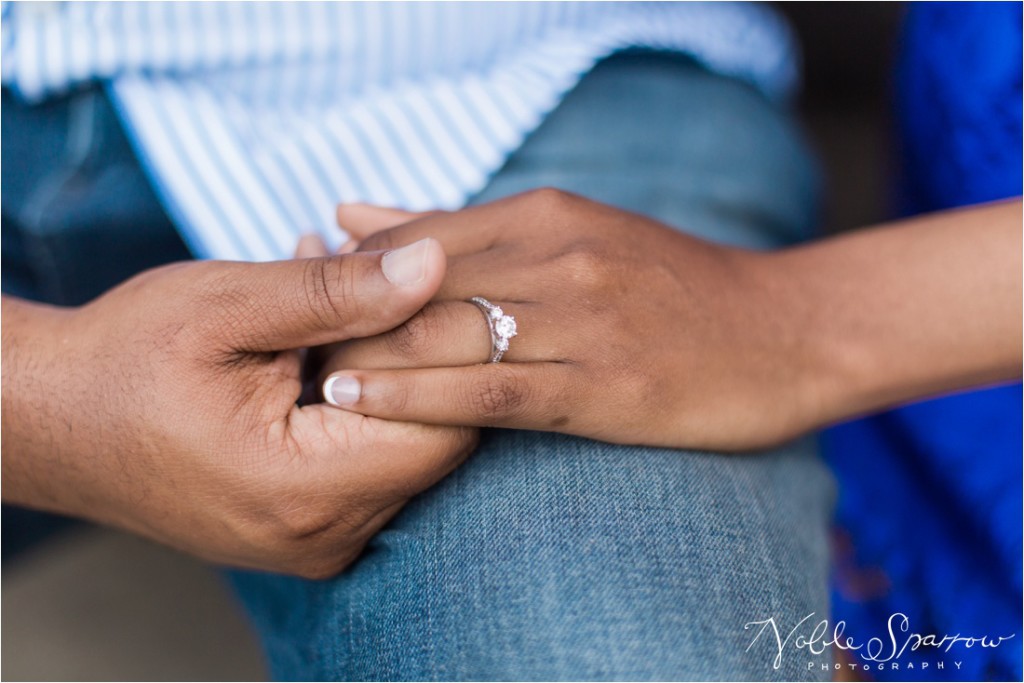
[{"x": 813, "y": 638}]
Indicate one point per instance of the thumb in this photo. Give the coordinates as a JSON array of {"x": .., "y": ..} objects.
[{"x": 309, "y": 302}]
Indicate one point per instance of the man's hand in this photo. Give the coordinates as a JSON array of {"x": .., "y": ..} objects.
[{"x": 168, "y": 407}]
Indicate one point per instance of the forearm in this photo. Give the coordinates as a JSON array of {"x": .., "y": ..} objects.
[{"x": 906, "y": 310}]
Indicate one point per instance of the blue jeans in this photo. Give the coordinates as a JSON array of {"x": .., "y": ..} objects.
[{"x": 554, "y": 557}]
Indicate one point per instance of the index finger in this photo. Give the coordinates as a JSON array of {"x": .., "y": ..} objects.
[
  {"x": 466, "y": 231},
  {"x": 361, "y": 220}
]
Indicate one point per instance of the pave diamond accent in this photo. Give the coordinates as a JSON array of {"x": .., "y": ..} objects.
[{"x": 502, "y": 327}]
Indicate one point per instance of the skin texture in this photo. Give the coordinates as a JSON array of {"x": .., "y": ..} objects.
[
  {"x": 167, "y": 407},
  {"x": 632, "y": 332}
]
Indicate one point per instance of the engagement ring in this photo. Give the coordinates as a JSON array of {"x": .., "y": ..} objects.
[{"x": 502, "y": 327}]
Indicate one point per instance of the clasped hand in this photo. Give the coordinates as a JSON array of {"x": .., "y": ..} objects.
[{"x": 167, "y": 407}]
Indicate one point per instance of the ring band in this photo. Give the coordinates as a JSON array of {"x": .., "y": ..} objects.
[{"x": 501, "y": 326}]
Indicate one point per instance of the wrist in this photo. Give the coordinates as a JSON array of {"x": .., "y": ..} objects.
[
  {"x": 37, "y": 431},
  {"x": 835, "y": 352},
  {"x": 814, "y": 365}
]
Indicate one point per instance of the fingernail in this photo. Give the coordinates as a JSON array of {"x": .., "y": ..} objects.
[
  {"x": 406, "y": 266},
  {"x": 341, "y": 390}
]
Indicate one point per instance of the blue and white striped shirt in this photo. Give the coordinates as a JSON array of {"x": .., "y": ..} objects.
[{"x": 253, "y": 119}]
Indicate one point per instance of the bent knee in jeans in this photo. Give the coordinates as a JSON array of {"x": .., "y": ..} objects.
[{"x": 555, "y": 557}]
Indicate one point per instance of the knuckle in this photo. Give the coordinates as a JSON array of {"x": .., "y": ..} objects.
[
  {"x": 312, "y": 532},
  {"x": 320, "y": 540},
  {"x": 305, "y": 521},
  {"x": 585, "y": 266},
  {"x": 496, "y": 398},
  {"x": 325, "y": 554},
  {"x": 550, "y": 198},
  {"x": 223, "y": 298},
  {"x": 219, "y": 283},
  {"x": 304, "y": 514},
  {"x": 582, "y": 260},
  {"x": 384, "y": 240},
  {"x": 398, "y": 399},
  {"x": 324, "y": 289},
  {"x": 417, "y": 336}
]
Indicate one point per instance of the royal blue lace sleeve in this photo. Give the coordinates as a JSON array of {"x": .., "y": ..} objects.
[{"x": 929, "y": 516}]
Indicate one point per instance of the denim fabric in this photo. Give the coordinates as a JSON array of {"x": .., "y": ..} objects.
[
  {"x": 555, "y": 557},
  {"x": 79, "y": 215},
  {"x": 655, "y": 134}
]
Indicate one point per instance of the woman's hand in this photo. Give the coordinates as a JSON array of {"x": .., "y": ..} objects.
[
  {"x": 628, "y": 331},
  {"x": 632, "y": 332}
]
